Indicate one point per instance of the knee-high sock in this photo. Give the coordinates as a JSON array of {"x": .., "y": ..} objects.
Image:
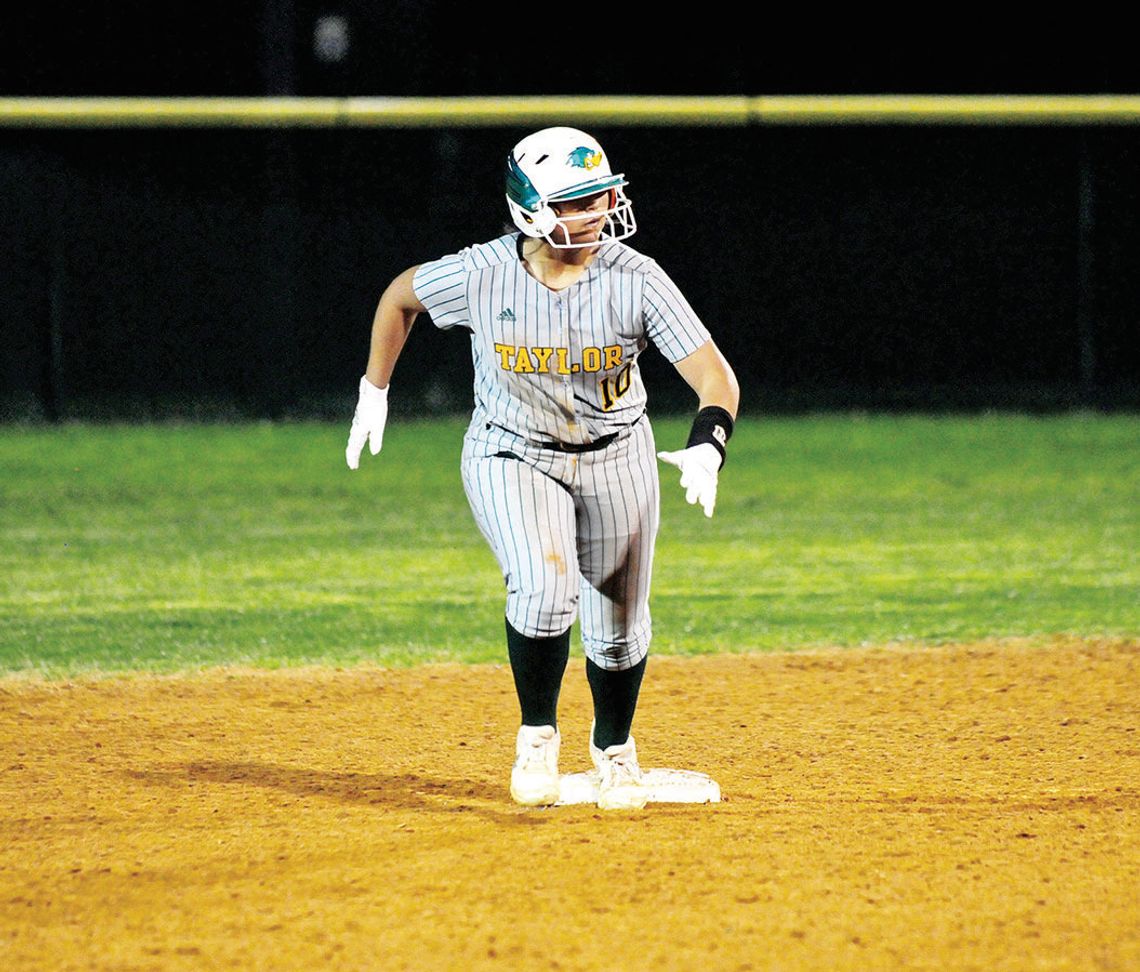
[
  {"x": 615, "y": 700},
  {"x": 538, "y": 665}
]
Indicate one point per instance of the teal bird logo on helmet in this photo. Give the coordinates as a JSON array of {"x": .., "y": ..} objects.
[{"x": 584, "y": 157}]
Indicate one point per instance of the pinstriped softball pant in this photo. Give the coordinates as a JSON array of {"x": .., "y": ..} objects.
[{"x": 573, "y": 534}]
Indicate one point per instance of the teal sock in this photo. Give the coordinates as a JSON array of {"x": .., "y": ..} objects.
[
  {"x": 538, "y": 665},
  {"x": 615, "y": 700}
]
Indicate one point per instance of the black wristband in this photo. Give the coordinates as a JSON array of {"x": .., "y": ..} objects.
[{"x": 712, "y": 425}]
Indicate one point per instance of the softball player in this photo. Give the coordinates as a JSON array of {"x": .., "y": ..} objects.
[{"x": 558, "y": 461}]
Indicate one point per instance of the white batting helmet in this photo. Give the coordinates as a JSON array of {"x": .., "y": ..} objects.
[{"x": 557, "y": 164}]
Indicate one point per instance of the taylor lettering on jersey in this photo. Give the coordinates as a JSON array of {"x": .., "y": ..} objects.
[
  {"x": 526, "y": 360},
  {"x": 544, "y": 361}
]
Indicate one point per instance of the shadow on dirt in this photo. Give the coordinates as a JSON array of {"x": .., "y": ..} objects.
[{"x": 391, "y": 791}]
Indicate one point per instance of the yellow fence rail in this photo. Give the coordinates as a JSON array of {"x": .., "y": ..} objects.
[{"x": 726, "y": 111}]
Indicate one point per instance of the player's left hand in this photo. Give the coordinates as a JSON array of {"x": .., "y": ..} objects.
[
  {"x": 367, "y": 423},
  {"x": 700, "y": 466}
]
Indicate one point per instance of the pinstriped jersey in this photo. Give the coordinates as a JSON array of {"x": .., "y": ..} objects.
[{"x": 559, "y": 366}]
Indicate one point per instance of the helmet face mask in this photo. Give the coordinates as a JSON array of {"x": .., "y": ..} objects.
[{"x": 557, "y": 165}]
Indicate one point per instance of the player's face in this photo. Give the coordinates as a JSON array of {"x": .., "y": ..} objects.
[{"x": 584, "y": 218}]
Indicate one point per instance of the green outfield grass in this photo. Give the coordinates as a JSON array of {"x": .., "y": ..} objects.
[{"x": 170, "y": 547}]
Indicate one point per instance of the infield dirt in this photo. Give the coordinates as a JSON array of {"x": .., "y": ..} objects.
[{"x": 954, "y": 807}]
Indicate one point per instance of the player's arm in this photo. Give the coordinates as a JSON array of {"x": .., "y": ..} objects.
[
  {"x": 395, "y": 315},
  {"x": 708, "y": 373},
  {"x": 391, "y": 325}
]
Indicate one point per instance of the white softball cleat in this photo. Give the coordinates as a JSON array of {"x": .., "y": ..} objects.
[
  {"x": 534, "y": 778},
  {"x": 619, "y": 776}
]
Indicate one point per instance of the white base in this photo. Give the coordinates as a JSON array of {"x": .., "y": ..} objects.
[{"x": 663, "y": 786}]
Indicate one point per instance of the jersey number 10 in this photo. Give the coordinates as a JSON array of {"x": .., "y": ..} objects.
[{"x": 614, "y": 388}]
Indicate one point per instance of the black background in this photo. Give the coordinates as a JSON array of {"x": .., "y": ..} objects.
[{"x": 157, "y": 272}]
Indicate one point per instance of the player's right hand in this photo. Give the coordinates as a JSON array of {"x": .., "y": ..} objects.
[{"x": 367, "y": 423}]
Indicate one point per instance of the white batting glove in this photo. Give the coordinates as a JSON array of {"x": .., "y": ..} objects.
[
  {"x": 367, "y": 422},
  {"x": 700, "y": 466}
]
